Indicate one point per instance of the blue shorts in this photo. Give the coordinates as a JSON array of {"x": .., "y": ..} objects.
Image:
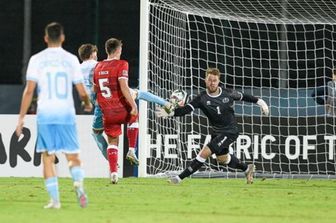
[
  {"x": 54, "y": 138},
  {"x": 97, "y": 119}
]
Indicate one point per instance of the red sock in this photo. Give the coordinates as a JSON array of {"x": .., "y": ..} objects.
[
  {"x": 132, "y": 133},
  {"x": 112, "y": 155}
]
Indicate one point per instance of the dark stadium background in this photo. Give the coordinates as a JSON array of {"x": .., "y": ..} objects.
[
  {"x": 84, "y": 21},
  {"x": 95, "y": 21}
]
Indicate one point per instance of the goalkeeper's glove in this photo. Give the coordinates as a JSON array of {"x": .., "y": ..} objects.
[
  {"x": 163, "y": 112},
  {"x": 263, "y": 106},
  {"x": 169, "y": 107}
]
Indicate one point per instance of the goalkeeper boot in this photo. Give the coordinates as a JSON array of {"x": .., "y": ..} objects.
[
  {"x": 81, "y": 195},
  {"x": 53, "y": 205},
  {"x": 249, "y": 173},
  {"x": 175, "y": 180},
  {"x": 132, "y": 158},
  {"x": 114, "y": 178}
]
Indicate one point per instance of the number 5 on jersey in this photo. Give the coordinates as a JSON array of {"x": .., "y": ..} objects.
[{"x": 105, "y": 90}]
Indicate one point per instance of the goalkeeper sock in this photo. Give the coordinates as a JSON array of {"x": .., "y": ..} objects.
[
  {"x": 51, "y": 184},
  {"x": 101, "y": 143},
  {"x": 144, "y": 95},
  {"x": 235, "y": 163},
  {"x": 132, "y": 134},
  {"x": 112, "y": 154},
  {"x": 195, "y": 165}
]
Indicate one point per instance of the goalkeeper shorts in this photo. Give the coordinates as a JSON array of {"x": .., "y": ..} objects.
[{"x": 220, "y": 144}]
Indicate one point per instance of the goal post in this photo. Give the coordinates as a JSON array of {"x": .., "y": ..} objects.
[
  {"x": 279, "y": 51},
  {"x": 143, "y": 79}
]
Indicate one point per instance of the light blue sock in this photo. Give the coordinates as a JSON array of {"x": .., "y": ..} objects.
[
  {"x": 101, "y": 143},
  {"x": 77, "y": 173},
  {"x": 52, "y": 188},
  {"x": 144, "y": 95}
]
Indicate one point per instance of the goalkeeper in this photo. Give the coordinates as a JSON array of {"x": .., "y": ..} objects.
[{"x": 217, "y": 104}]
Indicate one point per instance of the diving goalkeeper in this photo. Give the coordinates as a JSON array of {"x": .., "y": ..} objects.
[{"x": 217, "y": 104}]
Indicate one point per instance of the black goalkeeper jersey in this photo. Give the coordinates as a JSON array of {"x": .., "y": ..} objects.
[{"x": 218, "y": 109}]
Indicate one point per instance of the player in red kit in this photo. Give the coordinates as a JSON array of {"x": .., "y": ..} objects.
[{"x": 114, "y": 98}]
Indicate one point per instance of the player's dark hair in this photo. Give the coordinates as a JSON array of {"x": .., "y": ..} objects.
[
  {"x": 85, "y": 51},
  {"x": 111, "y": 45},
  {"x": 54, "y": 31},
  {"x": 213, "y": 71}
]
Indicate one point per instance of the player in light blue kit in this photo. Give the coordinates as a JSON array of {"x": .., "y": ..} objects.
[
  {"x": 88, "y": 54},
  {"x": 54, "y": 71}
]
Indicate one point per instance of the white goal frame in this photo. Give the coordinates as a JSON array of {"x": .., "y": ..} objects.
[{"x": 143, "y": 144}]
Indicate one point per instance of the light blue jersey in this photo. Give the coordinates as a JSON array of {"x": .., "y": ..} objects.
[
  {"x": 87, "y": 68},
  {"x": 55, "y": 71}
]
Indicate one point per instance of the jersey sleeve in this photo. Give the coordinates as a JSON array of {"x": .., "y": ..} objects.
[
  {"x": 32, "y": 72},
  {"x": 235, "y": 95},
  {"x": 123, "y": 71},
  {"x": 239, "y": 96},
  {"x": 195, "y": 103},
  {"x": 77, "y": 76}
]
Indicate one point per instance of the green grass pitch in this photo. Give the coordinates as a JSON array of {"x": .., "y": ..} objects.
[{"x": 154, "y": 200}]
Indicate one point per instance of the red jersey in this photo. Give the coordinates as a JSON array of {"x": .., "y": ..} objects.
[
  {"x": 113, "y": 104},
  {"x": 106, "y": 77}
]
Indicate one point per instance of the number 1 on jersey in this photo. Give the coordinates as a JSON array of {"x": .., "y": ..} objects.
[{"x": 218, "y": 110}]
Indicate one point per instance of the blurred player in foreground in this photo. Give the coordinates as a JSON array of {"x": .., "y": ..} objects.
[
  {"x": 217, "y": 104},
  {"x": 88, "y": 54},
  {"x": 54, "y": 70}
]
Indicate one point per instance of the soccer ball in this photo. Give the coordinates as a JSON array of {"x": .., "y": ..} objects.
[{"x": 178, "y": 98}]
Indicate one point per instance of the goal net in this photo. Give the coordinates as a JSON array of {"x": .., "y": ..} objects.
[{"x": 281, "y": 51}]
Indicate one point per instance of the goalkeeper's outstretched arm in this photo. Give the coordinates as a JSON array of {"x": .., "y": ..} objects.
[
  {"x": 239, "y": 96},
  {"x": 183, "y": 110},
  {"x": 262, "y": 104}
]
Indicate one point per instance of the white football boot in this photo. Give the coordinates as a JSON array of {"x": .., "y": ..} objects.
[
  {"x": 114, "y": 178},
  {"x": 53, "y": 205},
  {"x": 132, "y": 158},
  {"x": 174, "y": 180}
]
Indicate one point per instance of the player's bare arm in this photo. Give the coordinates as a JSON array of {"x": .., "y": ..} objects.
[
  {"x": 27, "y": 97},
  {"x": 126, "y": 92},
  {"x": 84, "y": 97}
]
